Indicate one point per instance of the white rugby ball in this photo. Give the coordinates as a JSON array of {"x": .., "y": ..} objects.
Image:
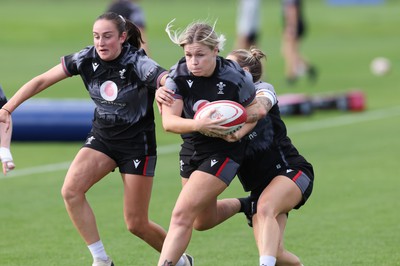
[{"x": 233, "y": 113}]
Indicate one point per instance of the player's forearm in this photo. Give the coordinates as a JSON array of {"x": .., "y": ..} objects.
[
  {"x": 256, "y": 111},
  {"x": 178, "y": 125}
]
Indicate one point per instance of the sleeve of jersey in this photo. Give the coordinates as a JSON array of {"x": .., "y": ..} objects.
[
  {"x": 170, "y": 84},
  {"x": 72, "y": 63},
  {"x": 265, "y": 89},
  {"x": 247, "y": 91},
  {"x": 69, "y": 64},
  {"x": 149, "y": 71}
]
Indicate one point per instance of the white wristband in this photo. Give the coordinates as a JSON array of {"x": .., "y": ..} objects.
[{"x": 5, "y": 155}]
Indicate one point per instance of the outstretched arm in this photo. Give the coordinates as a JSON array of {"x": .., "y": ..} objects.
[{"x": 29, "y": 89}]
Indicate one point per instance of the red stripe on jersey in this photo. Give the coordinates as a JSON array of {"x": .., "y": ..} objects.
[
  {"x": 222, "y": 167},
  {"x": 297, "y": 176},
  {"x": 146, "y": 162}
]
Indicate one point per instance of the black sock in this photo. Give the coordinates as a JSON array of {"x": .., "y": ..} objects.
[{"x": 244, "y": 204}]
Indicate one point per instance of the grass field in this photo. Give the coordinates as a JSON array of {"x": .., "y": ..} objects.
[{"x": 352, "y": 215}]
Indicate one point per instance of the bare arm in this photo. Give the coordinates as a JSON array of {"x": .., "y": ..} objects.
[
  {"x": 173, "y": 122},
  {"x": 164, "y": 96},
  {"x": 258, "y": 110},
  {"x": 29, "y": 89}
]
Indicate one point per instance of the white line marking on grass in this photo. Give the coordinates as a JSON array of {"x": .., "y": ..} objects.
[
  {"x": 303, "y": 127},
  {"x": 167, "y": 149},
  {"x": 345, "y": 120}
]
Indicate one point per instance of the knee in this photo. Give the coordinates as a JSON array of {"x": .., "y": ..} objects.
[
  {"x": 68, "y": 193},
  {"x": 202, "y": 225},
  {"x": 181, "y": 218},
  {"x": 137, "y": 226},
  {"x": 266, "y": 209}
]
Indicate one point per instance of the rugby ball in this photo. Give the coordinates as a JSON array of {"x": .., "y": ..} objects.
[{"x": 233, "y": 113}]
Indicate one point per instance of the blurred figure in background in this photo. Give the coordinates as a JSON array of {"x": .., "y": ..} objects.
[
  {"x": 5, "y": 139},
  {"x": 132, "y": 11},
  {"x": 247, "y": 23},
  {"x": 294, "y": 30}
]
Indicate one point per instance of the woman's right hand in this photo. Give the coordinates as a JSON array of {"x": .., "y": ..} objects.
[{"x": 163, "y": 96}]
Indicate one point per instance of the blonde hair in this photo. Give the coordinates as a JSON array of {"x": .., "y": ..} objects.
[
  {"x": 196, "y": 32},
  {"x": 251, "y": 59}
]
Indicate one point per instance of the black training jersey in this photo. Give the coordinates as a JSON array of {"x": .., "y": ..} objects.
[
  {"x": 261, "y": 137},
  {"x": 228, "y": 82},
  {"x": 270, "y": 132},
  {"x": 269, "y": 149},
  {"x": 123, "y": 90}
]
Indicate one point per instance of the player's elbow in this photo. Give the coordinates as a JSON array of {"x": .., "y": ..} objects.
[{"x": 167, "y": 126}]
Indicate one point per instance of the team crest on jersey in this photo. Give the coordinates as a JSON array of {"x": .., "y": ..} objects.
[
  {"x": 221, "y": 86},
  {"x": 109, "y": 90},
  {"x": 122, "y": 73}
]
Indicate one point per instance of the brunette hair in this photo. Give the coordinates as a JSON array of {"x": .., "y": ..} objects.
[
  {"x": 251, "y": 59},
  {"x": 134, "y": 37}
]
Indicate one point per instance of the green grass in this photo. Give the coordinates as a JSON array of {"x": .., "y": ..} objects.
[{"x": 352, "y": 215}]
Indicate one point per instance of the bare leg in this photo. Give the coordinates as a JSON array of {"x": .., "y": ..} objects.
[
  {"x": 88, "y": 167},
  {"x": 137, "y": 193},
  {"x": 216, "y": 213},
  {"x": 285, "y": 257},
  {"x": 198, "y": 193},
  {"x": 278, "y": 198}
]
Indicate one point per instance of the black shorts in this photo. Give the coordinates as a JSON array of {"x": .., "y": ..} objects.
[
  {"x": 302, "y": 178},
  {"x": 220, "y": 165},
  {"x": 136, "y": 156},
  {"x": 258, "y": 171}
]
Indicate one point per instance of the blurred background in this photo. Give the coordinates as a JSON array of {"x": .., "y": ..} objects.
[{"x": 352, "y": 216}]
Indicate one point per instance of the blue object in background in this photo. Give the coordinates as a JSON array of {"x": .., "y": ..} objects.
[{"x": 52, "y": 120}]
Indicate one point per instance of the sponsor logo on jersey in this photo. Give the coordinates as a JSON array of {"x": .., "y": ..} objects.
[
  {"x": 109, "y": 90},
  {"x": 181, "y": 164},
  {"x": 95, "y": 66},
  {"x": 288, "y": 171},
  {"x": 252, "y": 135},
  {"x": 221, "y": 86},
  {"x": 136, "y": 162},
  {"x": 189, "y": 82},
  {"x": 213, "y": 162}
]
